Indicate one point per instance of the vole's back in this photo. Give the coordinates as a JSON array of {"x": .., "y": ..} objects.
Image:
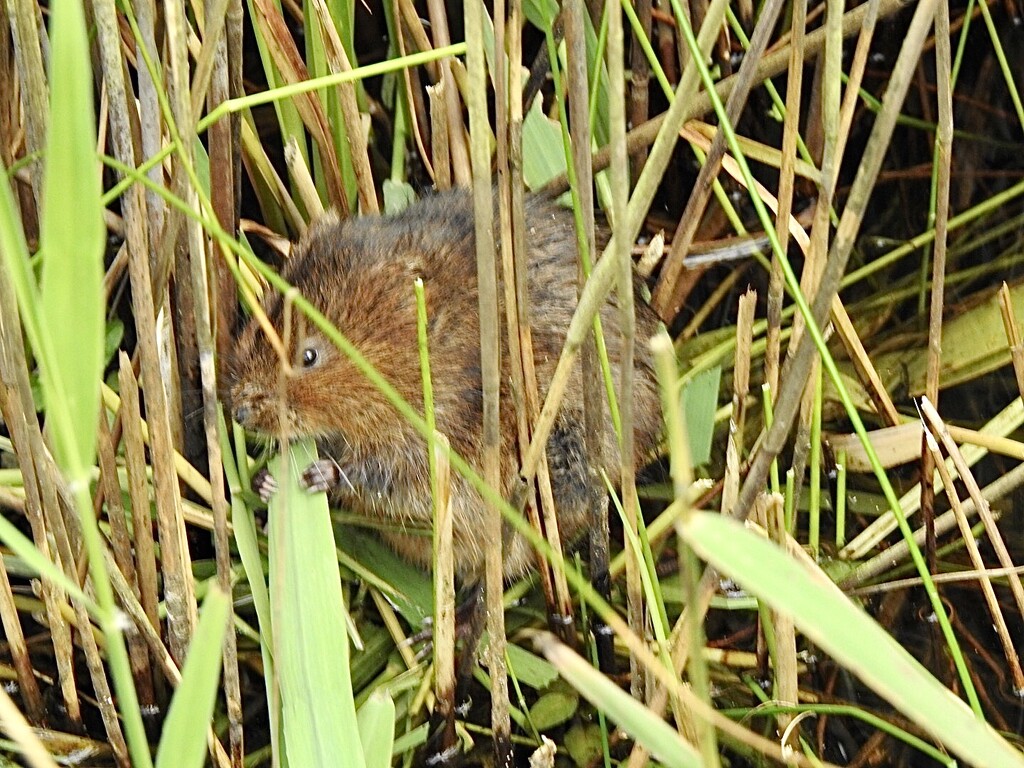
[{"x": 360, "y": 273}]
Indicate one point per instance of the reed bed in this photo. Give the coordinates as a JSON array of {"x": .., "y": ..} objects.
[{"x": 823, "y": 566}]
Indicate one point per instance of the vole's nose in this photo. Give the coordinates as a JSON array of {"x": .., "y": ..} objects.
[{"x": 242, "y": 414}]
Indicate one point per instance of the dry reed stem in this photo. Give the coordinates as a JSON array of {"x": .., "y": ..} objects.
[
  {"x": 1002, "y": 424},
  {"x": 302, "y": 182},
  {"x": 938, "y": 428},
  {"x": 457, "y": 134},
  {"x": 666, "y": 298},
  {"x": 578, "y": 87},
  {"x": 178, "y": 587},
  {"x": 338, "y": 61},
  {"x": 28, "y": 60},
  {"x": 101, "y": 687},
  {"x": 23, "y": 734},
  {"x": 787, "y": 171},
  {"x": 280, "y": 212},
  {"x": 740, "y": 389},
  {"x": 444, "y": 586},
  {"x": 797, "y": 368},
  {"x": 988, "y": 592},
  {"x": 943, "y": 159},
  {"x": 293, "y": 69},
  {"x": 12, "y": 393},
  {"x": 440, "y": 151},
  {"x": 138, "y": 492},
  {"x": 1012, "y": 336},
  {"x": 490, "y": 331},
  {"x": 902, "y": 444},
  {"x": 121, "y": 546},
  {"x": 771, "y": 64},
  {"x": 39, "y": 490},
  {"x": 15, "y": 638},
  {"x": 785, "y": 660}
]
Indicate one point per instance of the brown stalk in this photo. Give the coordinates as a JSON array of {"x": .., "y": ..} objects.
[
  {"x": 159, "y": 651},
  {"x": 991, "y": 601},
  {"x": 410, "y": 22},
  {"x": 11, "y": 123},
  {"x": 61, "y": 526},
  {"x": 184, "y": 471},
  {"x": 515, "y": 265},
  {"x": 666, "y": 299},
  {"x": 823, "y": 126},
  {"x": 191, "y": 254},
  {"x": 640, "y": 79},
  {"x": 790, "y": 132},
  {"x": 798, "y": 367},
  {"x": 490, "y": 359},
  {"x": 28, "y": 60},
  {"x": 578, "y": 88},
  {"x": 621, "y": 252},
  {"x": 150, "y": 122},
  {"x": 225, "y": 157},
  {"x": 338, "y": 61},
  {"x": 176, "y": 570},
  {"x": 101, "y": 688},
  {"x": 1012, "y": 336},
  {"x": 943, "y": 151},
  {"x": 462, "y": 172},
  {"x": 11, "y": 412},
  {"x": 121, "y": 545},
  {"x": 440, "y": 151},
  {"x": 785, "y": 661},
  {"x": 138, "y": 492},
  {"x": 938, "y": 428},
  {"x": 15, "y": 638},
  {"x": 293, "y": 69},
  {"x": 741, "y": 388},
  {"x": 19, "y": 416},
  {"x": 770, "y": 65},
  {"x": 204, "y": 324},
  {"x": 444, "y": 592}
]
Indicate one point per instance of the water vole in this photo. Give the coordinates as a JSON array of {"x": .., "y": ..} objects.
[{"x": 360, "y": 274}]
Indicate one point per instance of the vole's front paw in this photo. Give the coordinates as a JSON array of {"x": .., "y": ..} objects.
[
  {"x": 321, "y": 475},
  {"x": 264, "y": 484}
]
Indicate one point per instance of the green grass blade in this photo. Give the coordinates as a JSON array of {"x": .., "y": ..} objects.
[
  {"x": 72, "y": 241},
  {"x": 848, "y": 634},
  {"x": 377, "y": 729},
  {"x": 183, "y": 741},
  {"x": 310, "y": 633},
  {"x": 633, "y": 717}
]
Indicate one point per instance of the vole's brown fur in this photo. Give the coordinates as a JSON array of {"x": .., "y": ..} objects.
[{"x": 360, "y": 274}]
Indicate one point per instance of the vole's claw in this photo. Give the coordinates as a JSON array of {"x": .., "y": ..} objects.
[
  {"x": 264, "y": 484},
  {"x": 321, "y": 475}
]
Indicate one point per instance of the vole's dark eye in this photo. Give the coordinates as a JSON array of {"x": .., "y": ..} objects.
[{"x": 309, "y": 357}]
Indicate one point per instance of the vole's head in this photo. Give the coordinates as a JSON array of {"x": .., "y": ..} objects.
[{"x": 363, "y": 283}]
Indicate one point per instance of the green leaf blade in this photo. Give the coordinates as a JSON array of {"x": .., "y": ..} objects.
[
  {"x": 310, "y": 632},
  {"x": 72, "y": 242},
  {"x": 183, "y": 741},
  {"x": 848, "y": 634}
]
